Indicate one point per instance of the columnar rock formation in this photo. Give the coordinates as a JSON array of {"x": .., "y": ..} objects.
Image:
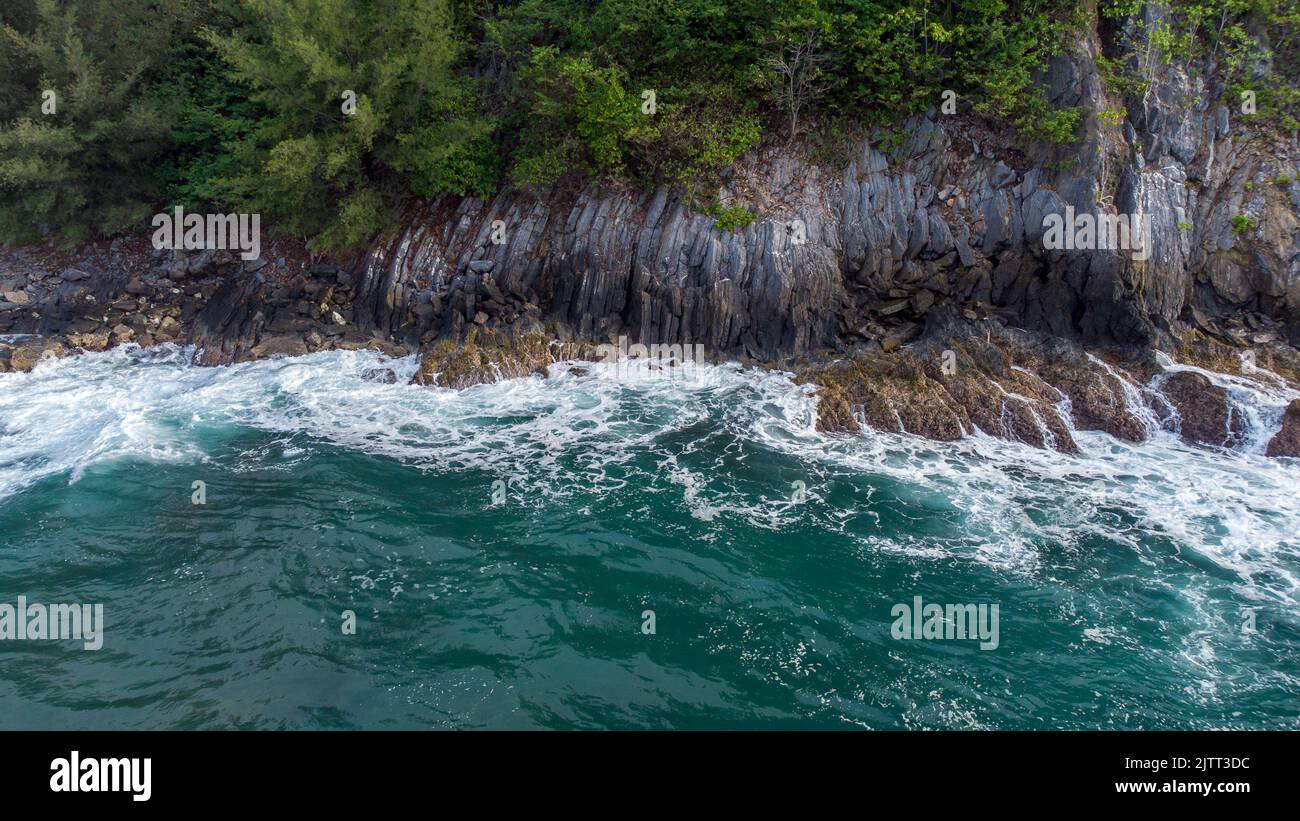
[{"x": 856, "y": 271}]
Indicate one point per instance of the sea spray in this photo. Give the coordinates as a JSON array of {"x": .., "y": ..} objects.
[{"x": 325, "y": 491}]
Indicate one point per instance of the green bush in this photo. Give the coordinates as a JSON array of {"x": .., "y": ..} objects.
[
  {"x": 85, "y": 169},
  {"x": 581, "y": 118},
  {"x": 732, "y": 219},
  {"x": 312, "y": 168}
]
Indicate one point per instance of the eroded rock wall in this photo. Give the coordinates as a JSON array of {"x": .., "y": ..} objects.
[{"x": 850, "y": 257}]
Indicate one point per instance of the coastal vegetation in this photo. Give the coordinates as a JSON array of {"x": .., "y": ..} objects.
[{"x": 323, "y": 115}]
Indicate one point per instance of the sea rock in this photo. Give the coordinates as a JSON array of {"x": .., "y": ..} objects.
[
  {"x": 28, "y": 354},
  {"x": 93, "y": 341},
  {"x": 383, "y": 346},
  {"x": 1097, "y": 398},
  {"x": 1205, "y": 413},
  {"x": 278, "y": 346},
  {"x": 1286, "y": 442},
  {"x": 484, "y": 356},
  {"x": 947, "y": 387}
]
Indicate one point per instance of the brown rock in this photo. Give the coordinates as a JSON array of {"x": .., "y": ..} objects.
[
  {"x": 834, "y": 415},
  {"x": 1286, "y": 442},
  {"x": 1096, "y": 399},
  {"x": 899, "y": 336},
  {"x": 382, "y": 346},
  {"x": 890, "y": 308},
  {"x": 484, "y": 357},
  {"x": 1206, "y": 416},
  {"x": 918, "y": 392},
  {"x": 278, "y": 346},
  {"x": 94, "y": 341},
  {"x": 28, "y": 355}
]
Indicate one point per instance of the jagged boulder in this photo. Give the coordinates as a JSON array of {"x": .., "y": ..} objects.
[
  {"x": 943, "y": 389},
  {"x": 484, "y": 356},
  {"x": 1205, "y": 412},
  {"x": 1286, "y": 442}
]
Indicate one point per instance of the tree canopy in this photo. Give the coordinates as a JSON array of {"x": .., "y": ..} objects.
[{"x": 324, "y": 114}]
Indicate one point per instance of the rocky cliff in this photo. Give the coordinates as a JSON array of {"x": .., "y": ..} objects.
[{"x": 859, "y": 272}]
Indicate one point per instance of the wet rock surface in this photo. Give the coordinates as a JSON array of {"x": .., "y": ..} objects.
[
  {"x": 1287, "y": 440},
  {"x": 485, "y": 356},
  {"x": 1205, "y": 416},
  {"x": 858, "y": 272},
  {"x": 956, "y": 381}
]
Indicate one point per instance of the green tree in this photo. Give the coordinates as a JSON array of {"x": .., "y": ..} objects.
[
  {"x": 82, "y": 168},
  {"x": 364, "y": 104},
  {"x": 573, "y": 77}
]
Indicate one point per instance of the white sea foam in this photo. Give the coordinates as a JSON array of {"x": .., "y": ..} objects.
[
  {"x": 997, "y": 502},
  {"x": 1259, "y": 402}
]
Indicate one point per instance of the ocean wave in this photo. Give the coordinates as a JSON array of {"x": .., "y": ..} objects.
[{"x": 585, "y": 430}]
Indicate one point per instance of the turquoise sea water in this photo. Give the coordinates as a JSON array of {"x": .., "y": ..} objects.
[{"x": 500, "y": 547}]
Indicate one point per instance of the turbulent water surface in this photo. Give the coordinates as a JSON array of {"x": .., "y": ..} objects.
[{"x": 500, "y": 547}]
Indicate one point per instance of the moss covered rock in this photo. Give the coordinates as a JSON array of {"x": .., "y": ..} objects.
[{"x": 484, "y": 356}]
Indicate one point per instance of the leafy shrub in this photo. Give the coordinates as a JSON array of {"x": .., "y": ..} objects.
[
  {"x": 313, "y": 169},
  {"x": 733, "y": 219},
  {"x": 83, "y": 169}
]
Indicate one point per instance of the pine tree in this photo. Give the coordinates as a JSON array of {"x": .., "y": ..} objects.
[
  {"x": 363, "y": 105},
  {"x": 75, "y": 163}
]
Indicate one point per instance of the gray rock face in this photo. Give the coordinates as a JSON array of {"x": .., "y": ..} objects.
[
  {"x": 619, "y": 262},
  {"x": 956, "y": 213},
  {"x": 949, "y": 217}
]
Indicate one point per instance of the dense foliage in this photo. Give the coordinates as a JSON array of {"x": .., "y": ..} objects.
[
  {"x": 323, "y": 114},
  {"x": 85, "y": 115}
]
